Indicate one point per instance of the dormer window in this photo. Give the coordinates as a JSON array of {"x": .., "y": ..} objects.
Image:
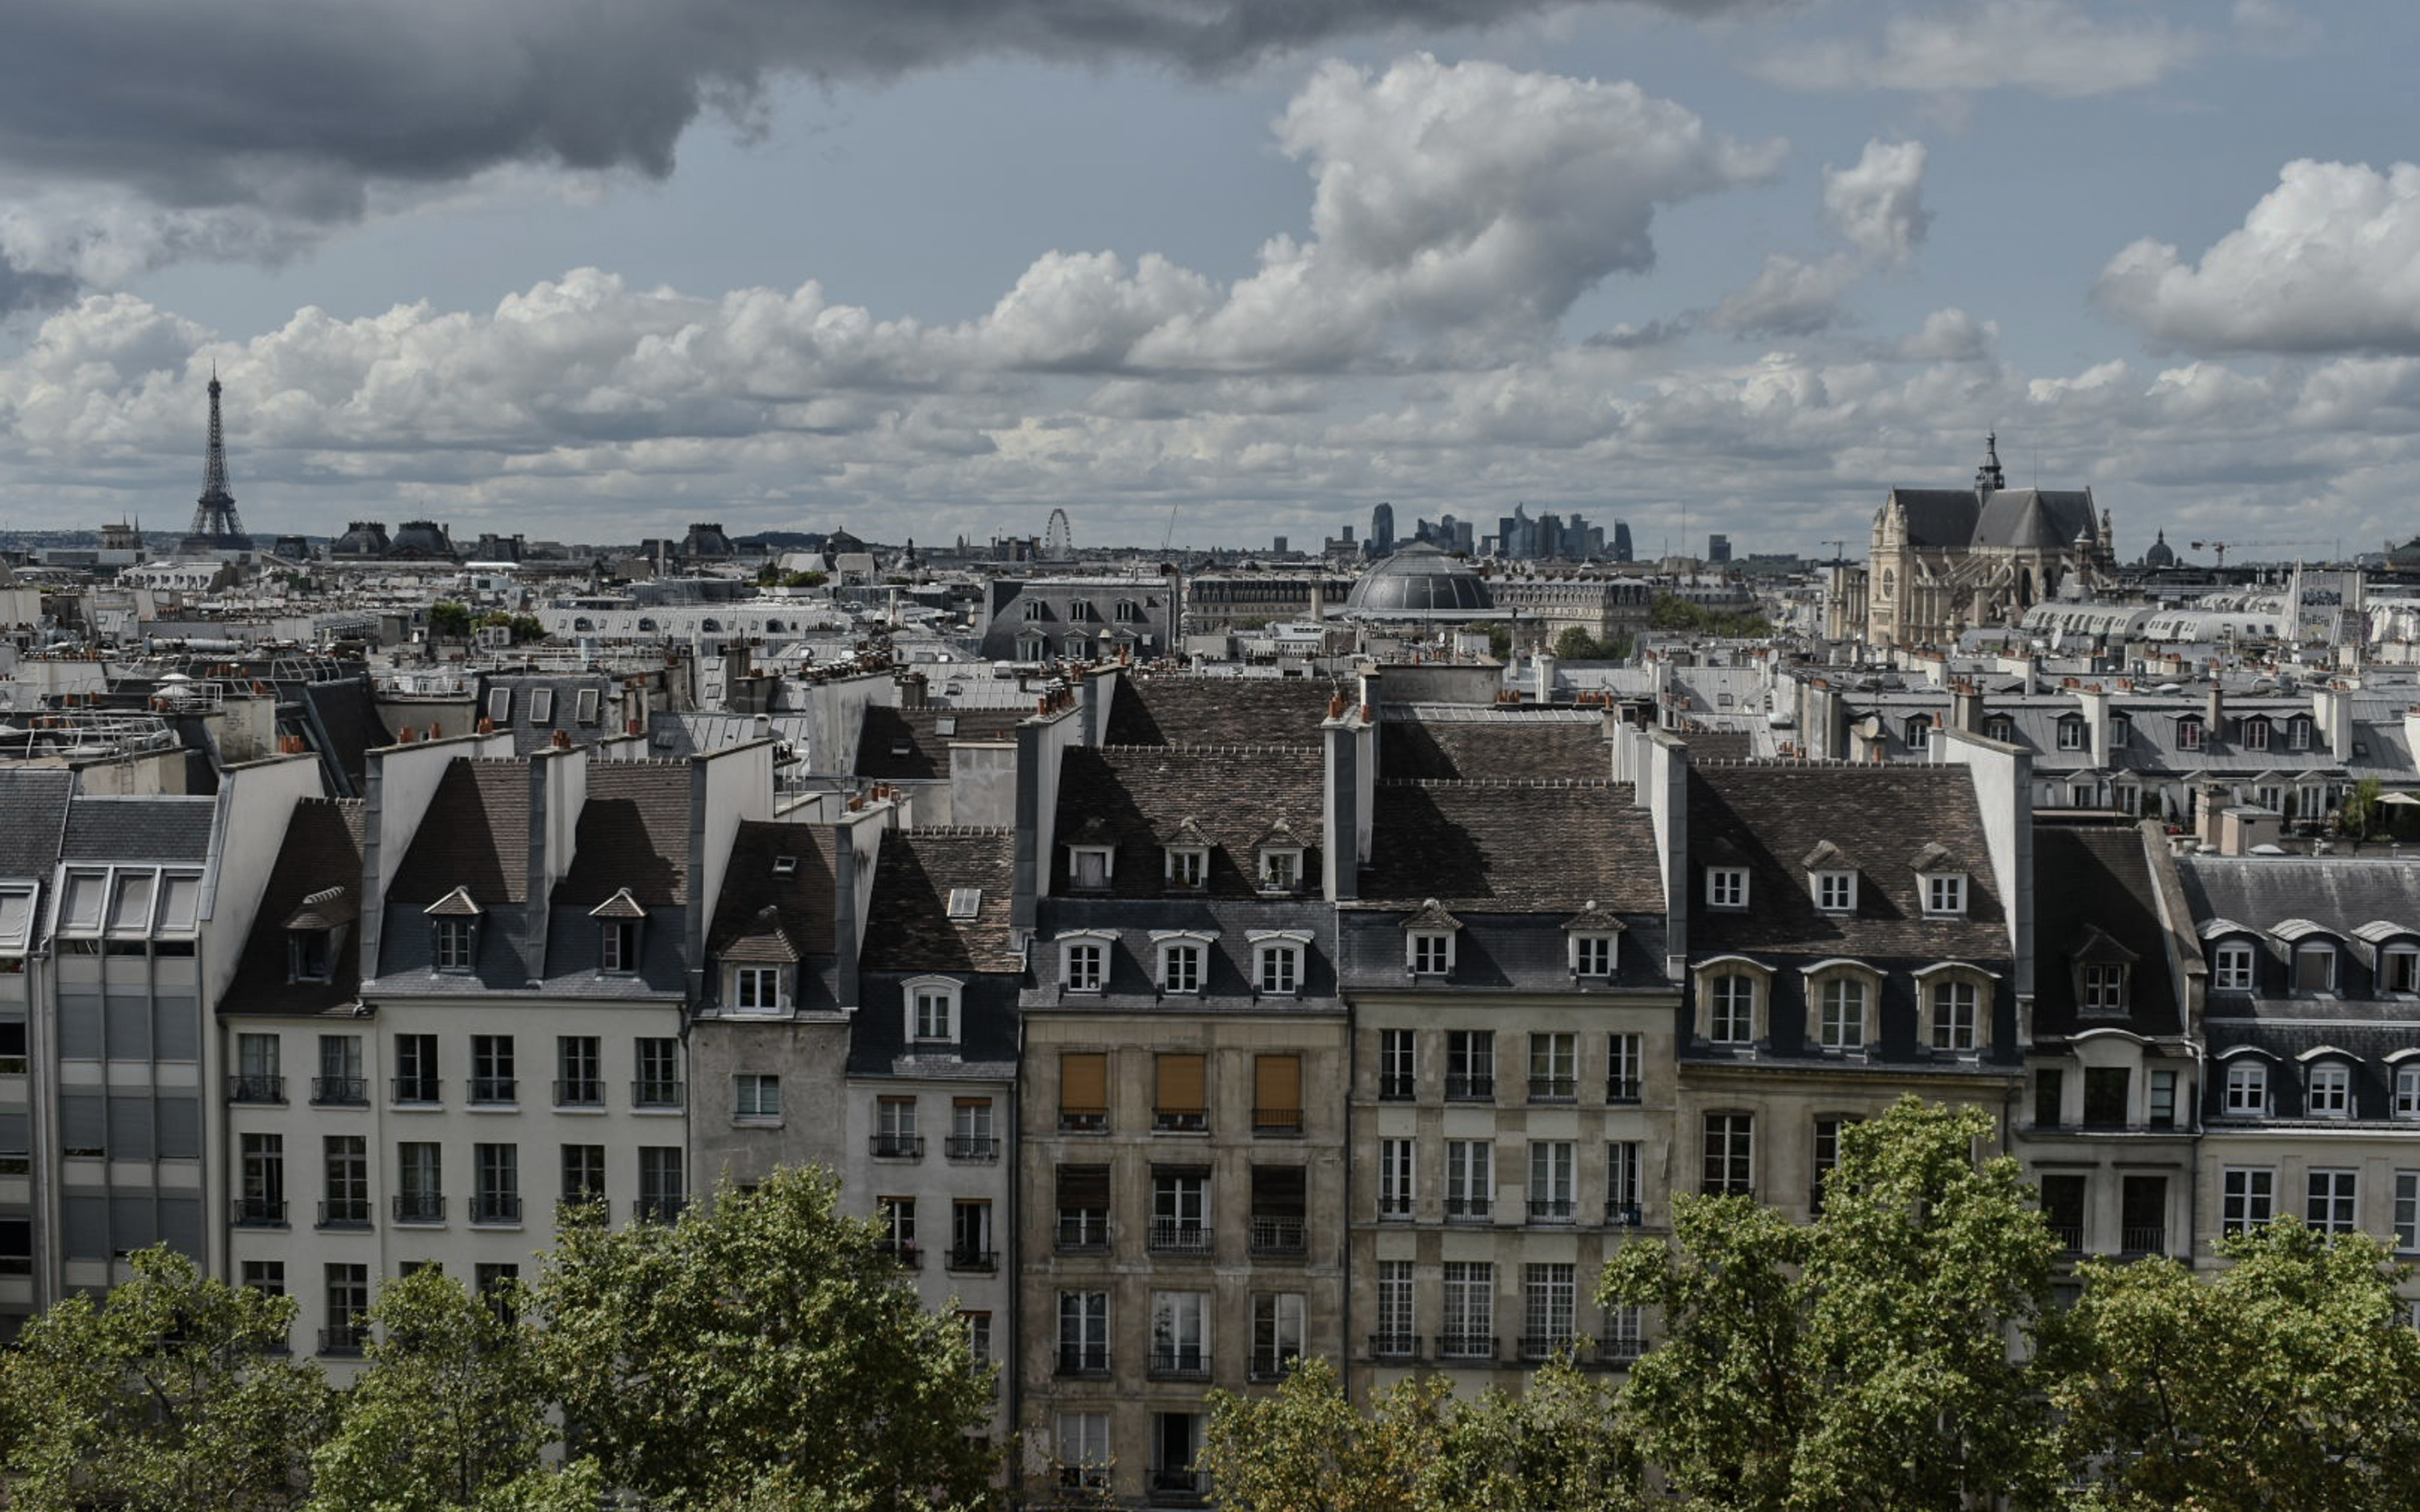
[
  {"x": 1090, "y": 861},
  {"x": 1084, "y": 962},
  {"x": 1128, "y": 612},
  {"x": 1427, "y": 941},
  {"x": 310, "y": 955},
  {"x": 1732, "y": 991},
  {"x": 932, "y": 1010},
  {"x": 618, "y": 919},
  {"x": 1726, "y": 886},
  {"x": 1184, "y": 959},
  {"x": 2231, "y": 966},
  {"x": 1034, "y": 608},
  {"x": 2398, "y": 969},
  {"x": 2245, "y": 1092},
  {"x": 2104, "y": 989},
  {"x": 1032, "y": 646},
  {"x": 1945, "y": 894},
  {"x": 2001, "y": 727},
  {"x": 2314, "y": 968},
  {"x": 1276, "y": 859},
  {"x": 2254, "y": 733},
  {"x": 1919, "y": 732},
  {"x": 2327, "y": 1090},
  {"x": 1188, "y": 868},
  {"x": 1957, "y": 1001},
  {"x": 2189, "y": 733},
  {"x": 1277, "y": 961},
  {"x": 1835, "y": 892},
  {"x": 2121, "y": 730},
  {"x": 1593, "y": 955},
  {"x": 759, "y": 989},
  {"x": 316, "y": 931},
  {"x": 2074, "y": 734},
  {"x": 2104, "y": 969},
  {"x": 452, "y": 931}
]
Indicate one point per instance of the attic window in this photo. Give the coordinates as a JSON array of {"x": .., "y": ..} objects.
[
  {"x": 1089, "y": 867},
  {"x": 1281, "y": 867},
  {"x": 786, "y": 866},
  {"x": 500, "y": 704},
  {"x": 964, "y": 902},
  {"x": 541, "y": 705},
  {"x": 902, "y": 746},
  {"x": 1835, "y": 892},
  {"x": 1945, "y": 894},
  {"x": 946, "y": 724},
  {"x": 309, "y": 955},
  {"x": 585, "y": 706}
]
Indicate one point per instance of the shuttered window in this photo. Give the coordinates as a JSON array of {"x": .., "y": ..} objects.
[
  {"x": 1276, "y": 1094},
  {"x": 1181, "y": 1102},
  {"x": 1083, "y": 1089}
]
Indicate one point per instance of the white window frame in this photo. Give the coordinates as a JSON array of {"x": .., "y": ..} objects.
[
  {"x": 2332, "y": 1199},
  {"x": 453, "y": 943},
  {"x": 921, "y": 996},
  {"x": 2191, "y": 732},
  {"x": 2327, "y": 1090},
  {"x": 748, "y": 988},
  {"x": 755, "y": 1096},
  {"x": 2315, "y": 951},
  {"x": 2075, "y": 734},
  {"x": 2407, "y": 1090},
  {"x": 1594, "y": 952},
  {"x": 2244, "y": 1088},
  {"x": 1277, "y": 966},
  {"x": 1076, "y": 857},
  {"x": 2407, "y": 1212},
  {"x": 1182, "y": 961},
  {"x": 2399, "y": 962},
  {"x": 1832, "y": 1028},
  {"x": 1918, "y": 733},
  {"x": 1726, "y": 886},
  {"x": 1945, "y": 1000},
  {"x": 1280, "y": 868},
  {"x": 1733, "y": 999},
  {"x": 1429, "y": 953},
  {"x": 2254, "y": 731},
  {"x": 1945, "y": 894},
  {"x": 1398, "y": 1180},
  {"x": 1084, "y": 961},
  {"x": 2247, "y": 1197},
  {"x": 1185, "y": 867},
  {"x": 1835, "y": 892},
  {"x": 2232, "y": 967}
]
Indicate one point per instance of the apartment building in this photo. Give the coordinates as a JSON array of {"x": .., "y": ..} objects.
[{"x": 36, "y": 802}]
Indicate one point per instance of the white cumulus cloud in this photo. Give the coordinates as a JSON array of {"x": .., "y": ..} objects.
[
  {"x": 1878, "y": 202},
  {"x": 2050, "y": 47}
]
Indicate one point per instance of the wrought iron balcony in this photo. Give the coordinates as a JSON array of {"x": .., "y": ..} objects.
[
  {"x": 1280, "y": 1236},
  {"x": 1168, "y": 1238},
  {"x": 256, "y": 1088},
  {"x": 342, "y": 1092},
  {"x": 898, "y": 1147},
  {"x": 419, "y": 1207},
  {"x": 973, "y": 1146},
  {"x": 260, "y": 1212},
  {"x": 345, "y": 1213}
]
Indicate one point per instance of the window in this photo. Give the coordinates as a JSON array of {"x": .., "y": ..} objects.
[
  {"x": 496, "y": 1192},
  {"x": 1554, "y": 1068},
  {"x": 970, "y": 1238},
  {"x": 1547, "y": 1297},
  {"x": 1083, "y": 965},
  {"x": 2163, "y": 1100},
  {"x": 894, "y": 1128},
  {"x": 1840, "y": 1021},
  {"x": 2074, "y": 734},
  {"x": 2189, "y": 733},
  {"x": 2246, "y": 1198},
  {"x": 2407, "y": 1211},
  {"x": 898, "y": 1216},
  {"x": 257, "y": 1077},
  {"x": 1395, "y": 1182},
  {"x": 970, "y": 1130},
  {"x": 1470, "y": 1310},
  {"x": 1088, "y": 868},
  {"x": 2231, "y": 968},
  {"x": 1083, "y": 1090},
  {"x": 618, "y": 945},
  {"x": 932, "y": 1011},
  {"x": 2107, "y": 1092},
  {"x": 1999, "y": 727},
  {"x": 1431, "y": 953},
  {"x": 2398, "y": 969},
  {"x": 2050, "y": 1093},
  {"x": 1469, "y": 1179},
  {"x": 2329, "y": 1091},
  {"x": 415, "y": 1068},
  {"x": 491, "y": 1069},
  {"x": 1180, "y": 1333},
  {"x": 1276, "y": 1094},
  {"x": 2315, "y": 968},
  {"x": 578, "y": 1072},
  {"x": 1032, "y": 608},
  {"x": 260, "y": 1198},
  {"x": 450, "y": 941},
  {"x": 1726, "y": 886},
  {"x": 1176, "y": 1438},
  {"x": 1955, "y": 1027},
  {"x": 1180, "y": 1097},
  {"x": 345, "y": 1182},
  {"x": 2255, "y": 733},
  {"x": 1835, "y": 892},
  {"x": 268, "y": 1277},
  {"x": 1624, "y": 1188},
  {"x": 419, "y": 1183},
  {"x": 340, "y": 1083},
  {"x": 756, "y": 989},
  {"x": 2330, "y": 1200},
  {"x": 2121, "y": 730},
  {"x": 1553, "y": 1182},
  {"x": 1083, "y": 1437},
  {"x": 756, "y": 1095},
  {"x": 1180, "y": 1211},
  {"x": 1397, "y": 1066},
  {"x": 583, "y": 1174},
  {"x": 1180, "y": 966},
  {"x": 2104, "y": 989},
  {"x": 1398, "y": 1324},
  {"x": 347, "y": 1290},
  {"x": 1732, "y": 1009},
  {"x": 1919, "y": 732},
  {"x": 1188, "y": 865},
  {"x": 1083, "y": 1206},
  {"x": 2407, "y": 1091},
  {"x": 2247, "y": 1087},
  {"x": 2298, "y": 732},
  {"x": 1277, "y": 967},
  {"x": 1625, "y": 1067},
  {"x": 658, "y": 1085},
  {"x": 1944, "y": 893},
  {"x": 1729, "y": 1153},
  {"x": 1281, "y": 869},
  {"x": 1470, "y": 1065},
  {"x": 1593, "y": 955},
  {"x": 1826, "y": 1157}
]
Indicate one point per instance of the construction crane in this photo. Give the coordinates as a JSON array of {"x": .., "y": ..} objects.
[{"x": 2222, "y": 548}]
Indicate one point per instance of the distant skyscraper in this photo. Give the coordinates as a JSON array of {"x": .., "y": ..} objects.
[
  {"x": 1621, "y": 540},
  {"x": 1718, "y": 548},
  {"x": 1381, "y": 529}
]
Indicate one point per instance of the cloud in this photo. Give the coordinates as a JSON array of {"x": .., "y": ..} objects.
[
  {"x": 2051, "y": 47},
  {"x": 2328, "y": 261},
  {"x": 1949, "y": 335},
  {"x": 1878, "y": 204},
  {"x": 1789, "y": 298}
]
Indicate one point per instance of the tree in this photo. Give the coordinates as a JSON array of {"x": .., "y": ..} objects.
[
  {"x": 451, "y": 1413},
  {"x": 1880, "y": 1357},
  {"x": 173, "y": 1394},
  {"x": 1577, "y": 644},
  {"x": 2362, "y": 808},
  {"x": 1557, "y": 1446},
  {"x": 523, "y": 626},
  {"x": 762, "y": 1351},
  {"x": 449, "y": 619},
  {"x": 2288, "y": 1379}
]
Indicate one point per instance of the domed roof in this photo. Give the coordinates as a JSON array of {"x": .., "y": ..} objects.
[
  {"x": 840, "y": 541},
  {"x": 2161, "y": 554},
  {"x": 423, "y": 538},
  {"x": 362, "y": 538},
  {"x": 706, "y": 539},
  {"x": 1418, "y": 579}
]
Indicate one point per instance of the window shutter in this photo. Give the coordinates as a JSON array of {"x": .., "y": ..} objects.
[
  {"x": 1084, "y": 1186},
  {"x": 1181, "y": 1080},
  {"x": 1084, "y": 1082},
  {"x": 1276, "y": 1091}
]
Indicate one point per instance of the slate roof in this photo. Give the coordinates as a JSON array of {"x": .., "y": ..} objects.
[
  {"x": 907, "y": 924},
  {"x": 1548, "y": 744},
  {"x": 633, "y": 833},
  {"x": 926, "y": 753},
  {"x": 1769, "y": 817},
  {"x": 2095, "y": 884},
  {"x": 1512, "y": 847},
  {"x": 1227, "y": 981},
  {"x": 1497, "y": 952},
  {"x": 138, "y": 829},
  {"x": 2043, "y": 520},
  {"x": 1201, "y": 711},
  {"x": 36, "y": 802},
  {"x": 1938, "y": 517},
  {"x": 344, "y": 713},
  {"x": 474, "y": 835},
  {"x": 1138, "y": 797},
  {"x": 322, "y": 850},
  {"x": 2338, "y": 893},
  {"x": 562, "y": 713},
  {"x": 801, "y": 902}
]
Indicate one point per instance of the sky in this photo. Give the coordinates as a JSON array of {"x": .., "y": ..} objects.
[{"x": 1205, "y": 272}]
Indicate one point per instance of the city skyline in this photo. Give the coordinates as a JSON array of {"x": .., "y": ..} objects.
[{"x": 1701, "y": 267}]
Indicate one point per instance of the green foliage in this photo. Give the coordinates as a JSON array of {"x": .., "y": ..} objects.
[
  {"x": 2289, "y": 1380},
  {"x": 172, "y": 1394},
  {"x": 451, "y": 1411},
  {"x": 523, "y": 626},
  {"x": 1669, "y": 611},
  {"x": 1863, "y": 1361},
  {"x": 449, "y": 619},
  {"x": 1577, "y": 644},
  {"x": 1557, "y": 1446},
  {"x": 759, "y": 1350},
  {"x": 2364, "y": 807}
]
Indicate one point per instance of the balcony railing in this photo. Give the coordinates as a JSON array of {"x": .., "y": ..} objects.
[
  {"x": 898, "y": 1147},
  {"x": 1081, "y": 1230},
  {"x": 1083, "y": 1359},
  {"x": 341, "y": 1091},
  {"x": 1394, "y": 1346},
  {"x": 416, "y": 1089},
  {"x": 1277, "y": 1121},
  {"x": 345, "y": 1339},
  {"x": 1469, "y": 1210},
  {"x": 1550, "y": 1210},
  {"x": 496, "y": 1208},
  {"x": 1470, "y": 1086},
  {"x": 419, "y": 1207},
  {"x": 2143, "y": 1240},
  {"x": 587, "y": 1093},
  {"x": 2070, "y": 1236},
  {"x": 1280, "y": 1236},
  {"x": 1623, "y": 1215},
  {"x": 664, "y": 1208},
  {"x": 1071, "y": 1121},
  {"x": 1465, "y": 1347},
  {"x": 1624, "y": 1089},
  {"x": 982, "y": 1260},
  {"x": 1554, "y": 1089},
  {"x": 1171, "y": 1237},
  {"x": 256, "y": 1088},
  {"x": 1397, "y": 1088},
  {"x": 260, "y": 1212},
  {"x": 908, "y": 1256},
  {"x": 1181, "y": 1484},
  {"x": 1274, "y": 1364},
  {"x": 1166, "y": 1120},
  {"x": 655, "y": 1094},
  {"x": 345, "y": 1213},
  {"x": 493, "y": 1089},
  {"x": 1180, "y": 1364},
  {"x": 1619, "y": 1348},
  {"x": 973, "y": 1146},
  {"x": 1544, "y": 1345}
]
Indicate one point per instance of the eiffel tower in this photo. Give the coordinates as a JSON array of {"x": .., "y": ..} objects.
[{"x": 216, "y": 526}]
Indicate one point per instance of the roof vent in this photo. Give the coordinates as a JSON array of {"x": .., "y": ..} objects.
[{"x": 786, "y": 866}]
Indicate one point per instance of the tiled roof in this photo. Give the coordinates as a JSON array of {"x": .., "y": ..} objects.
[
  {"x": 1139, "y": 798},
  {"x": 2095, "y": 880},
  {"x": 1452, "y": 750},
  {"x": 633, "y": 833},
  {"x": 906, "y": 745},
  {"x": 138, "y": 829},
  {"x": 35, "y": 804},
  {"x": 801, "y": 902},
  {"x": 908, "y": 927},
  {"x": 1512, "y": 847},
  {"x": 1210, "y": 711},
  {"x": 1769, "y": 817},
  {"x": 2340, "y": 892},
  {"x": 474, "y": 835},
  {"x": 321, "y": 852}
]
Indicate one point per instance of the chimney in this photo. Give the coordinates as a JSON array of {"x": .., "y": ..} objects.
[
  {"x": 1966, "y": 706},
  {"x": 2214, "y": 712},
  {"x": 2095, "y": 700},
  {"x": 2331, "y": 711}
]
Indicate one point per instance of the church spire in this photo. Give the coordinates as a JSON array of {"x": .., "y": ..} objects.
[{"x": 1988, "y": 479}]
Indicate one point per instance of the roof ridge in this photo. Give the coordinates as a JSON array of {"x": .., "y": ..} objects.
[
  {"x": 1501, "y": 782},
  {"x": 957, "y": 832},
  {"x": 1217, "y": 749}
]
